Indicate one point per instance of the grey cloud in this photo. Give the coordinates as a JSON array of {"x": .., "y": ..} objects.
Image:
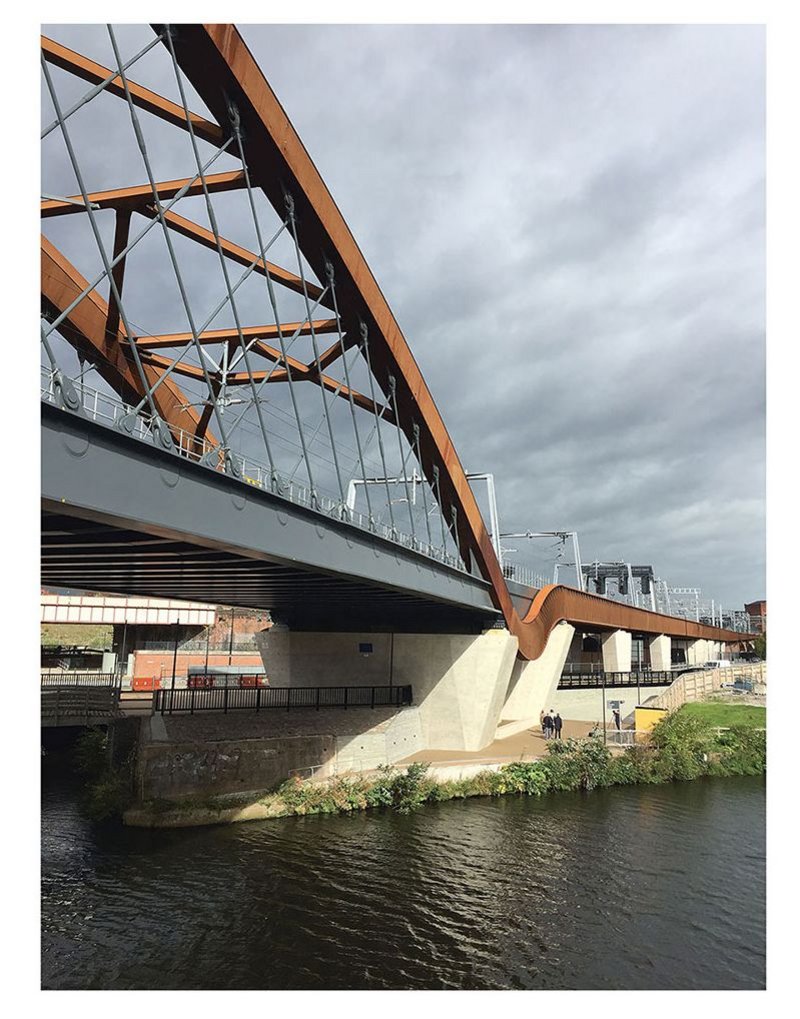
[{"x": 568, "y": 222}]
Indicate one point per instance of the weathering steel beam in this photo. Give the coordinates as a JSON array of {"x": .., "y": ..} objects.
[
  {"x": 139, "y": 197},
  {"x": 81, "y": 66}
]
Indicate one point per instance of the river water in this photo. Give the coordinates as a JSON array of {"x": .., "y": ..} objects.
[{"x": 638, "y": 887}]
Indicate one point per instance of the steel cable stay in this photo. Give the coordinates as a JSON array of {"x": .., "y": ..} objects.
[
  {"x": 260, "y": 416},
  {"x": 364, "y": 345},
  {"x": 168, "y": 240},
  {"x": 416, "y": 434},
  {"x": 216, "y": 311},
  {"x": 309, "y": 317},
  {"x": 157, "y": 218},
  {"x": 101, "y": 86},
  {"x": 279, "y": 413},
  {"x": 403, "y": 459},
  {"x": 332, "y": 284},
  {"x": 98, "y": 241},
  {"x": 316, "y": 433},
  {"x": 213, "y": 221},
  {"x": 268, "y": 375},
  {"x": 271, "y": 295}
]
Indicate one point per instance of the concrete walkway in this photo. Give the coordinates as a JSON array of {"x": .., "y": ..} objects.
[{"x": 526, "y": 746}]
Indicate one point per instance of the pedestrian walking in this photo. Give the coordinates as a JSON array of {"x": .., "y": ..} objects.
[
  {"x": 541, "y": 719},
  {"x": 547, "y": 726},
  {"x": 615, "y": 714},
  {"x": 557, "y": 725}
]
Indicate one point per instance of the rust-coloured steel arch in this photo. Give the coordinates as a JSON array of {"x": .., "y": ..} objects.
[{"x": 218, "y": 63}]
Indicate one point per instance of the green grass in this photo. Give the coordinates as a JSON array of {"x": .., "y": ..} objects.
[
  {"x": 726, "y": 715},
  {"x": 96, "y": 635}
]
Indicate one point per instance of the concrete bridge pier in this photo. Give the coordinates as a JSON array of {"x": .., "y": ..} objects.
[
  {"x": 459, "y": 681},
  {"x": 698, "y": 652},
  {"x": 660, "y": 653},
  {"x": 617, "y": 647},
  {"x": 533, "y": 684}
]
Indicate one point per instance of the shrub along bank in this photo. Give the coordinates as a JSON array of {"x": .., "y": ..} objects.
[{"x": 681, "y": 747}]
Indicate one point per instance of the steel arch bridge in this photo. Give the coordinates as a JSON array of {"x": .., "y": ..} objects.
[{"x": 222, "y": 378}]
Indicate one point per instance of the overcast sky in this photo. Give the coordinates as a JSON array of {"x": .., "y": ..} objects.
[{"x": 568, "y": 223}]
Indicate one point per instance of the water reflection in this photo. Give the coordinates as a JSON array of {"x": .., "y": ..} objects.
[{"x": 659, "y": 887}]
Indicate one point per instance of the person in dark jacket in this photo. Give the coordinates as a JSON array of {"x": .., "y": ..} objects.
[
  {"x": 557, "y": 725},
  {"x": 547, "y": 726}
]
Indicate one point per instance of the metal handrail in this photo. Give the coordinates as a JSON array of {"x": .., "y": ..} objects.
[
  {"x": 104, "y": 409},
  {"x": 96, "y": 680},
  {"x": 168, "y": 701},
  {"x": 626, "y": 737},
  {"x": 596, "y": 680}
]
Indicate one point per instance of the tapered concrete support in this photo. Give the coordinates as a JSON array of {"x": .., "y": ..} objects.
[
  {"x": 698, "y": 652},
  {"x": 660, "y": 653},
  {"x": 617, "y": 651},
  {"x": 533, "y": 684},
  {"x": 575, "y": 650},
  {"x": 459, "y": 681}
]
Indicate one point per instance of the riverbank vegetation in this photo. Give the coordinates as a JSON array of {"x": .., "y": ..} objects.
[
  {"x": 682, "y": 747},
  {"x": 108, "y": 790}
]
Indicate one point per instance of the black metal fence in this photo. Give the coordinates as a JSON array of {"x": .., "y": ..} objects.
[
  {"x": 285, "y": 698},
  {"x": 99, "y": 680},
  {"x": 78, "y": 705},
  {"x": 595, "y": 680}
]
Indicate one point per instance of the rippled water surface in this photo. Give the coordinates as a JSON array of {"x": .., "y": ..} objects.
[{"x": 641, "y": 887}]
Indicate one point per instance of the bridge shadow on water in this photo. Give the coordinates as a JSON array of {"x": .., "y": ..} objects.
[{"x": 639, "y": 887}]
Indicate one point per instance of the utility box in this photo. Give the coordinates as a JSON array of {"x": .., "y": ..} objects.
[{"x": 646, "y": 718}]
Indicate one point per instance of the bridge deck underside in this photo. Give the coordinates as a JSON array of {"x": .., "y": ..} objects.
[
  {"x": 86, "y": 555},
  {"x": 122, "y": 517}
]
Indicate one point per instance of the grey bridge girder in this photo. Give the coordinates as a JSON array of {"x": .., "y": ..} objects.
[{"x": 106, "y": 479}]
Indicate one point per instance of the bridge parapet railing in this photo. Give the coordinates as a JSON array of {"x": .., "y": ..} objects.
[
  {"x": 51, "y": 679},
  {"x": 286, "y": 698},
  {"x": 112, "y": 412},
  {"x": 595, "y": 680}
]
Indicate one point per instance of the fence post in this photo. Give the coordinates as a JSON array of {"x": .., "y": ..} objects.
[
  {"x": 345, "y": 698},
  {"x": 372, "y": 705},
  {"x": 318, "y": 698},
  {"x": 191, "y": 703},
  {"x": 225, "y": 698},
  {"x": 258, "y": 699},
  {"x": 288, "y": 698}
]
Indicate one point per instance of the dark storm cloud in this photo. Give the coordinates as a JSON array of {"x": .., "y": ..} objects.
[{"x": 568, "y": 223}]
